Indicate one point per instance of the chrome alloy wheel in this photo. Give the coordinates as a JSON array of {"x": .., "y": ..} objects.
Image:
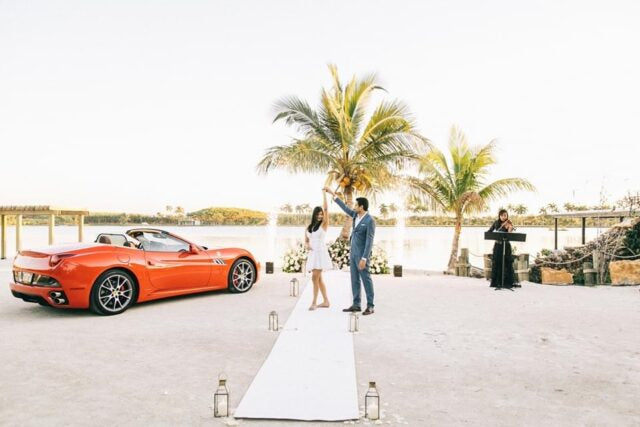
[
  {"x": 242, "y": 276},
  {"x": 115, "y": 293}
]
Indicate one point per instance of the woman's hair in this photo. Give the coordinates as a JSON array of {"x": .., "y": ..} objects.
[
  {"x": 315, "y": 224},
  {"x": 501, "y": 212}
]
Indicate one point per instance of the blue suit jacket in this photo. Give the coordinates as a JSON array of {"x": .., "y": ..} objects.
[{"x": 362, "y": 235}]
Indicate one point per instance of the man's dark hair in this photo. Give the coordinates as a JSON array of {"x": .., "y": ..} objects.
[{"x": 362, "y": 201}]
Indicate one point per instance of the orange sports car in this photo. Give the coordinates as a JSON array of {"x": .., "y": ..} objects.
[{"x": 118, "y": 270}]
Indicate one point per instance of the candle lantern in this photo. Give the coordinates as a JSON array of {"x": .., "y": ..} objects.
[
  {"x": 354, "y": 322},
  {"x": 221, "y": 398},
  {"x": 273, "y": 321},
  {"x": 372, "y": 402},
  {"x": 294, "y": 289}
]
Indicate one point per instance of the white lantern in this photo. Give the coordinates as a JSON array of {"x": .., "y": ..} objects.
[
  {"x": 273, "y": 321},
  {"x": 354, "y": 322},
  {"x": 372, "y": 402},
  {"x": 221, "y": 399},
  {"x": 294, "y": 289}
]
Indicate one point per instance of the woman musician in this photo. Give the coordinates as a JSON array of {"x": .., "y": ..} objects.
[{"x": 502, "y": 224}]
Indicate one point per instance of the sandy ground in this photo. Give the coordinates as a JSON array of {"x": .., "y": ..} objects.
[{"x": 443, "y": 351}]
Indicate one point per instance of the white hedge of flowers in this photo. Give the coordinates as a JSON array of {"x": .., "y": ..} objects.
[{"x": 295, "y": 258}]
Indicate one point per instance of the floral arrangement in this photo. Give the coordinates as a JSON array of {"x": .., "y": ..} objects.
[
  {"x": 294, "y": 259},
  {"x": 339, "y": 253},
  {"x": 379, "y": 263}
]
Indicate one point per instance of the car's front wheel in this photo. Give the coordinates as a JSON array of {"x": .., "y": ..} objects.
[
  {"x": 241, "y": 276},
  {"x": 112, "y": 293}
]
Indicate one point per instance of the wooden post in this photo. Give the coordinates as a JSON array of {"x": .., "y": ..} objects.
[
  {"x": 52, "y": 224},
  {"x": 80, "y": 228},
  {"x": 487, "y": 266},
  {"x": 18, "y": 233},
  {"x": 466, "y": 267},
  {"x": 555, "y": 244},
  {"x": 463, "y": 266},
  {"x": 523, "y": 268},
  {"x": 589, "y": 274},
  {"x": 3, "y": 239},
  {"x": 584, "y": 226},
  {"x": 598, "y": 266}
]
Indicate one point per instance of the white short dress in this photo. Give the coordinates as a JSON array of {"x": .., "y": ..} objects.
[{"x": 318, "y": 258}]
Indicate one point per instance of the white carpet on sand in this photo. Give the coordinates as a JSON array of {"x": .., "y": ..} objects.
[{"x": 310, "y": 373}]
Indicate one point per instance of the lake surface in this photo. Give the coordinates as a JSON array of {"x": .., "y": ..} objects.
[{"x": 425, "y": 248}]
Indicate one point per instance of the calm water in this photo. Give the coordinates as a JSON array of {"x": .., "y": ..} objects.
[{"x": 416, "y": 248}]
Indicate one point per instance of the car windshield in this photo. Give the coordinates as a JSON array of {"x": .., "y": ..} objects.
[{"x": 159, "y": 242}]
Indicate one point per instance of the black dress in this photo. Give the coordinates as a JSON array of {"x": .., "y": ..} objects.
[{"x": 496, "y": 262}]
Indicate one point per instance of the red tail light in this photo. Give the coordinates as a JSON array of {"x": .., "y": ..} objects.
[{"x": 55, "y": 259}]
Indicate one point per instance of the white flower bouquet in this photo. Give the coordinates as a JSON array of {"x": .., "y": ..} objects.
[
  {"x": 339, "y": 253},
  {"x": 294, "y": 259}
]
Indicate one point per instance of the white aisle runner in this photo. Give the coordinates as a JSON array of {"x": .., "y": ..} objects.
[{"x": 310, "y": 373}]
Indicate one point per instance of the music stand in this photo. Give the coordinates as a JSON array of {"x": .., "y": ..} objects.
[{"x": 504, "y": 237}]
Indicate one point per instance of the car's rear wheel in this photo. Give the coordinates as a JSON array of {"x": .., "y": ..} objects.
[
  {"x": 113, "y": 292},
  {"x": 242, "y": 276}
]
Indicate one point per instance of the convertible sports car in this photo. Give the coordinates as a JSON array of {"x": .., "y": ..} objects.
[{"x": 118, "y": 270}]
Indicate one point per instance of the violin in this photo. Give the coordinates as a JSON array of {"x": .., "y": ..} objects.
[{"x": 508, "y": 225}]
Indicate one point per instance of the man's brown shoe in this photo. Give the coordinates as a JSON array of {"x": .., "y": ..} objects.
[{"x": 369, "y": 310}]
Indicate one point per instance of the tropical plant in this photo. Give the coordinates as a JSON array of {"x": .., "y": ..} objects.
[
  {"x": 360, "y": 152},
  {"x": 459, "y": 185}
]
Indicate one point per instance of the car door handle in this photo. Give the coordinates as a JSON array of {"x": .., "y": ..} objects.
[{"x": 151, "y": 263}]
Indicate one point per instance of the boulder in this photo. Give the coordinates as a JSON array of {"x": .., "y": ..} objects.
[
  {"x": 625, "y": 272},
  {"x": 550, "y": 276}
]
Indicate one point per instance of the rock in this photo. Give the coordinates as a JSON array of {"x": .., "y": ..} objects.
[
  {"x": 625, "y": 272},
  {"x": 555, "y": 277}
]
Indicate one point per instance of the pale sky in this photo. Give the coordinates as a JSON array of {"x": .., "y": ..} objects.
[{"x": 134, "y": 105}]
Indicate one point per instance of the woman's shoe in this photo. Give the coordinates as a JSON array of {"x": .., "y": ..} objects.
[
  {"x": 324, "y": 305},
  {"x": 312, "y": 307}
]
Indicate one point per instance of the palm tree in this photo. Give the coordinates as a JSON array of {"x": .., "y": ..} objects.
[
  {"x": 384, "y": 211},
  {"x": 359, "y": 153},
  {"x": 287, "y": 208},
  {"x": 459, "y": 185}
]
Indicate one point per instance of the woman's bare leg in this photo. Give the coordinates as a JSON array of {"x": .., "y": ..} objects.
[
  {"x": 315, "y": 278},
  {"x": 323, "y": 289}
]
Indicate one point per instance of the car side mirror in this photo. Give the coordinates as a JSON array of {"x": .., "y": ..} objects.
[{"x": 193, "y": 250}]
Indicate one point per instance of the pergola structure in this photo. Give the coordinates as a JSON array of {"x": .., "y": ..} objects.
[
  {"x": 587, "y": 214},
  {"x": 50, "y": 211}
]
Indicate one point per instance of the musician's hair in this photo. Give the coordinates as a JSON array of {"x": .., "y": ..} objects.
[{"x": 501, "y": 212}]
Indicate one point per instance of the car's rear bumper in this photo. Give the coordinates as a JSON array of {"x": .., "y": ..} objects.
[{"x": 55, "y": 297}]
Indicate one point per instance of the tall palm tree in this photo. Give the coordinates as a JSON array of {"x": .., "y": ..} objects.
[
  {"x": 360, "y": 152},
  {"x": 459, "y": 185}
]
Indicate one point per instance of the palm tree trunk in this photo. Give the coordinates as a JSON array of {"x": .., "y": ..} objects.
[
  {"x": 455, "y": 243},
  {"x": 346, "y": 227}
]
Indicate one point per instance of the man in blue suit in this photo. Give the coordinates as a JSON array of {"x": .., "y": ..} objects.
[{"x": 364, "y": 229}]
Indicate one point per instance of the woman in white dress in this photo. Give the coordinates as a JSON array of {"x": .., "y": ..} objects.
[{"x": 318, "y": 258}]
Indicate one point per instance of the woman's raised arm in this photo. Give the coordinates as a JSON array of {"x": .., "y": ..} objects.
[{"x": 325, "y": 207}]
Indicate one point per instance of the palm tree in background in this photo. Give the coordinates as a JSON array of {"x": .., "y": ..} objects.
[
  {"x": 459, "y": 185},
  {"x": 384, "y": 211},
  {"x": 362, "y": 153}
]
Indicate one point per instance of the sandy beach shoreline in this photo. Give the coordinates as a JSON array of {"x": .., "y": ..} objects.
[{"x": 443, "y": 350}]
